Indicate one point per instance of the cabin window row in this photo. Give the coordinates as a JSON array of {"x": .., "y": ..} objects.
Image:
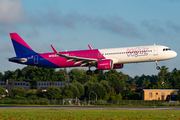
[{"x": 128, "y": 52}]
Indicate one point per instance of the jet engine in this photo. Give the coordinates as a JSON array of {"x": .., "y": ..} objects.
[
  {"x": 105, "y": 64},
  {"x": 108, "y": 64}
]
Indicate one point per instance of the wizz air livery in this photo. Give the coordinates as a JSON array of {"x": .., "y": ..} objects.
[{"x": 102, "y": 59}]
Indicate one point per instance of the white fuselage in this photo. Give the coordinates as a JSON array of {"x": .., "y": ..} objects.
[{"x": 138, "y": 54}]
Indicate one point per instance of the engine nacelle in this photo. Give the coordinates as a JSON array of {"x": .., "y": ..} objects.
[
  {"x": 118, "y": 66},
  {"x": 104, "y": 64}
]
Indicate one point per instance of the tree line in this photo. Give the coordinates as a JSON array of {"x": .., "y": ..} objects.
[{"x": 109, "y": 85}]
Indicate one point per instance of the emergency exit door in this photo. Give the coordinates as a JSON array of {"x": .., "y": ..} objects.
[{"x": 36, "y": 59}]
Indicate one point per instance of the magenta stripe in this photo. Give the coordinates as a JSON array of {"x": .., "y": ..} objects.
[{"x": 17, "y": 38}]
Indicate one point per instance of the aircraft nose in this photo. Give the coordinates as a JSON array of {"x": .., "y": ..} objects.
[{"x": 174, "y": 54}]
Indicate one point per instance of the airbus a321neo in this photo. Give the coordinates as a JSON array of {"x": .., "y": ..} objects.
[{"x": 102, "y": 59}]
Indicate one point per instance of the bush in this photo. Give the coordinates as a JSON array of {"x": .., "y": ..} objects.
[
  {"x": 2, "y": 91},
  {"x": 18, "y": 92}
]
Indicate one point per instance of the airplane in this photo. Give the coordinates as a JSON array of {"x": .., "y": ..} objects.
[{"x": 102, "y": 59}]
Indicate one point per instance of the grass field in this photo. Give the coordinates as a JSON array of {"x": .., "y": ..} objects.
[{"x": 86, "y": 114}]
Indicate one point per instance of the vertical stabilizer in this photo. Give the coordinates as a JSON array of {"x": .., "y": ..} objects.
[{"x": 20, "y": 46}]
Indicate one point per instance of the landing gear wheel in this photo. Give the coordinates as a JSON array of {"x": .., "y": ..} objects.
[
  {"x": 89, "y": 72},
  {"x": 158, "y": 68},
  {"x": 96, "y": 71}
]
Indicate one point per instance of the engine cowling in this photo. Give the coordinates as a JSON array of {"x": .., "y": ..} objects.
[
  {"x": 118, "y": 66},
  {"x": 105, "y": 64}
]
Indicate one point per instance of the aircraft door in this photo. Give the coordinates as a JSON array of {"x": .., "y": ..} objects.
[
  {"x": 155, "y": 51},
  {"x": 36, "y": 59}
]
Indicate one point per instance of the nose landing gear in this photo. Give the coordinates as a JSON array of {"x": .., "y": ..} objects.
[{"x": 158, "y": 68}]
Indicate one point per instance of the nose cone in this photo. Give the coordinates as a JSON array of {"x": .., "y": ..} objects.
[{"x": 174, "y": 54}]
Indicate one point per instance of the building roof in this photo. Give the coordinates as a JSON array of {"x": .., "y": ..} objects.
[{"x": 160, "y": 89}]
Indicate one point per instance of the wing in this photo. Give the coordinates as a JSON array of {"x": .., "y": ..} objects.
[{"x": 83, "y": 61}]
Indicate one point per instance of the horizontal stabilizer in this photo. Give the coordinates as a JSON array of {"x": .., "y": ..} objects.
[{"x": 21, "y": 59}]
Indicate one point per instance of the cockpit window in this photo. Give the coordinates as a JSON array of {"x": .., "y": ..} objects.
[{"x": 166, "y": 49}]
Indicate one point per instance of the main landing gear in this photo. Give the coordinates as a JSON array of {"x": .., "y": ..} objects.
[
  {"x": 158, "y": 68},
  {"x": 97, "y": 71},
  {"x": 89, "y": 72}
]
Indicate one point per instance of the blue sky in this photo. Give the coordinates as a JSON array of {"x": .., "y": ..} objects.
[{"x": 73, "y": 24}]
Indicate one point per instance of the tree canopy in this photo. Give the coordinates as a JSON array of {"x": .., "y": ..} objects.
[{"x": 107, "y": 85}]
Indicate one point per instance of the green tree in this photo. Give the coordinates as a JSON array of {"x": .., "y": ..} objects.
[
  {"x": 80, "y": 88},
  {"x": 53, "y": 93},
  {"x": 8, "y": 75},
  {"x": 125, "y": 94},
  {"x": 112, "y": 97},
  {"x": 98, "y": 89},
  {"x": 116, "y": 80},
  {"x": 87, "y": 86},
  {"x": 2, "y": 91},
  {"x": 157, "y": 85},
  {"x": 77, "y": 74},
  {"x": 163, "y": 77},
  {"x": 105, "y": 84},
  {"x": 119, "y": 97},
  {"x": 18, "y": 92},
  {"x": 32, "y": 94},
  {"x": 106, "y": 96},
  {"x": 40, "y": 93},
  {"x": 72, "y": 88},
  {"x": 1, "y": 77},
  {"x": 65, "y": 73},
  {"x": 101, "y": 76},
  {"x": 67, "y": 94},
  {"x": 146, "y": 82}
]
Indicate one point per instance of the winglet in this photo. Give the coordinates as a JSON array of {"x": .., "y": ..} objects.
[
  {"x": 90, "y": 47},
  {"x": 55, "y": 51}
]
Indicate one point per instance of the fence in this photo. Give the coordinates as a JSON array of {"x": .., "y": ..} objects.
[
  {"x": 86, "y": 102},
  {"x": 138, "y": 103}
]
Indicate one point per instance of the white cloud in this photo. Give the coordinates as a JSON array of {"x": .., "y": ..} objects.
[{"x": 11, "y": 12}]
